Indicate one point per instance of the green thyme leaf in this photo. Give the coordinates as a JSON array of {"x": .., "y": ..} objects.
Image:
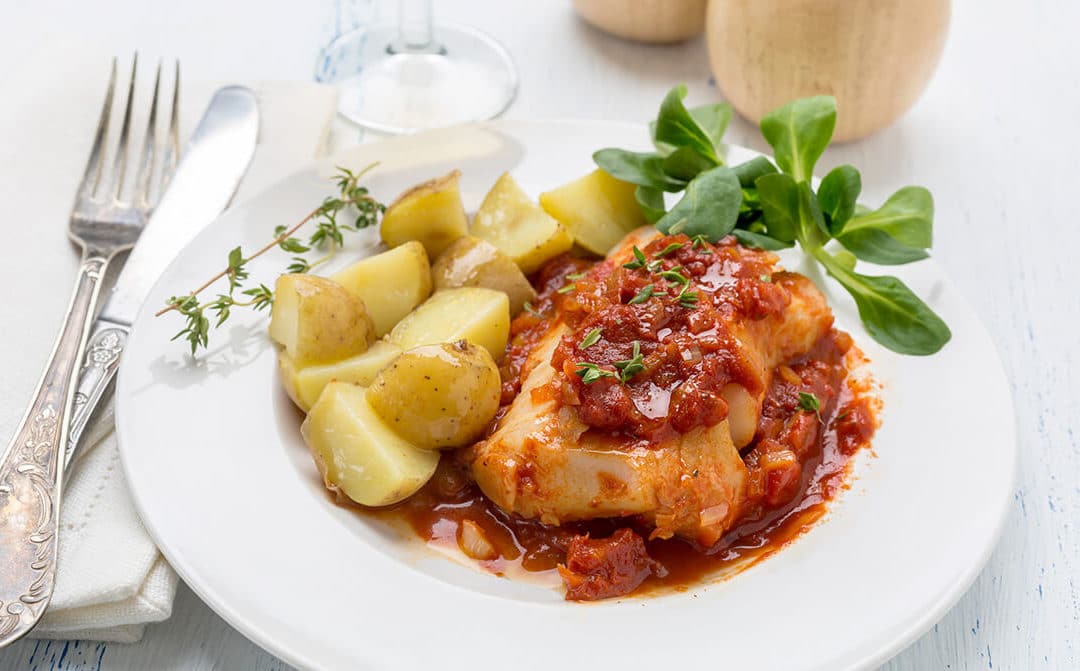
[
  {"x": 293, "y": 246},
  {"x": 675, "y": 276},
  {"x": 591, "y": 338},
  {"x": 261, "y": 297},
  {"x": 590, "y": 372},
  {"x": 688, "y": 299},
  {"x": 809, "y": 402},
  {"x": 647, "y": 292},
  {"x": 673, "y": 247},
  {"x": 630, "y": 367},
  {"x": 639, "y": 260}
]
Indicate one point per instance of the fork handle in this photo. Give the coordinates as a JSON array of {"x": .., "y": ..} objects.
[
  {"x": 103, "y": 350},
  {"x": 31, "y": 472}
]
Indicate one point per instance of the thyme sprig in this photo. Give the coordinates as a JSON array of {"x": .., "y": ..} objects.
[
  {"x": 590, "y": 372},
  {"x": 328, "y": 237},
  {"x": 591, "y": 338},
  {"x": 628, "y": 368},
  {"x": 625, "y": 370},
  {"x": 685, "y": 298}
]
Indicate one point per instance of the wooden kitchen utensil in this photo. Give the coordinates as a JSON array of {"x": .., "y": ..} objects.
[
  {"x": 875, "y": 56},
  {"x": 657, "y": 21}
]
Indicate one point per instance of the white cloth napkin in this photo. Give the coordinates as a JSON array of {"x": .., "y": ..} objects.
[{"x": 111, "y": 580}]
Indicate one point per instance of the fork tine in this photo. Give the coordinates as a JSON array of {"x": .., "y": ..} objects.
[
  {"x": 120, "y": 160},
  {"x": 149, "y": 149},
  {"x": 93, "y": 166},
  {"x": 172, "y": 150}
]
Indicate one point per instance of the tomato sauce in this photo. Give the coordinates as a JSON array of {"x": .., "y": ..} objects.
[
  {"x": 675, "y": 305},
  {"x": 799, "y": 459}
]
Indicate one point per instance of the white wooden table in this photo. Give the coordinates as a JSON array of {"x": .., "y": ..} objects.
[{"x": 996, "y": 138}]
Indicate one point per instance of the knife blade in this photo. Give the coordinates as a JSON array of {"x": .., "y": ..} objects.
[{"x": 212, "y": 164}]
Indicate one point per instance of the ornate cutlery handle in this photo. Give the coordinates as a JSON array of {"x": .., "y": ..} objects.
[
  {"x": 103, "y": 351},
  {"x": 31, "y": 473}
]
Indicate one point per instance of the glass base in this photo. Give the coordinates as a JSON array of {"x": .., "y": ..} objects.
[{"x": 464, "y": 76}]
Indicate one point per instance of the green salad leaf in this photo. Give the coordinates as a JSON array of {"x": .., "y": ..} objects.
[
  {"x": 900, "y": 231},
  {"x": 798, "y": 132},
  {"x": 676, "y": 127},
  {"x": 748, "y": 172},
  {"x": 641, "y": 168},
  {"x": 839, "y": 194},
  {"x": 651, "y": 202},
  {"x": 714, "y": 119},
  {"x": 709, "y": 207},
  {"x": 760, "y": 240},
  {"x": 891, "y": 313},
  {"x": 685, "y": 164}
]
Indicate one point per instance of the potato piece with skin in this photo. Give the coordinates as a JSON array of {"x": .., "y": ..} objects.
[
  {"x": 316, "y": 319},
  {"x": 431, "y": 213},
  {"x": 303, "y": 384},
  {"x": 512, "y": 222},
  {"x": 597, "y": 209},
  {"x": 358, "y": 455},
  {"x": 438, "y": 396},
  {"x": 480, "y": 316},
  {"x": 391, "y": 284},
  {"x": 472, "y": 262}
]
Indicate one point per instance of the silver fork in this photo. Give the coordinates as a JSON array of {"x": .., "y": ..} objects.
[{"x": 31, "y": 472}]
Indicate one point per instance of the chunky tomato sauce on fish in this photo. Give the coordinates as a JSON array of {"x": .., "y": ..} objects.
[{"x": 797, "y": 461}]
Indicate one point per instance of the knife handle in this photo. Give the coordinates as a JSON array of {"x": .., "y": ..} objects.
[
  {"x": 30, "y": 472},
  {"x": 103, "y": 351}
]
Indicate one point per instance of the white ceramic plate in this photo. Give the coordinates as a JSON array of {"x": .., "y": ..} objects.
[{"x": 228, "y": 491}]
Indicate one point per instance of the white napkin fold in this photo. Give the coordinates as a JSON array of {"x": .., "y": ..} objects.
[{"x": 111, "y": 580}]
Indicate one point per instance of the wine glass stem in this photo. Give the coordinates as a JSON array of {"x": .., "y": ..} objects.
[{"x": 414, "y": 26}]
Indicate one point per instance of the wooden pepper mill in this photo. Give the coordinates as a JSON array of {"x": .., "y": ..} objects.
[
  {"x": 655, "y": 21},
  {"x": 875, "y": 56}
]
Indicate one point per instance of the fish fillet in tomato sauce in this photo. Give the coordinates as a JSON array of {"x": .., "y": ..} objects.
[{"x": 707, "y": 453}]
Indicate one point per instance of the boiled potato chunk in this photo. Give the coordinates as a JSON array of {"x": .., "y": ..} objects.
[
  {"x": 391, "y": 284},
  {"x": 358, "y": 455},
  {"x": 472, "y": 262},
  {"x": 480, "y": 316},
  {"x": 431, "y": 213},
  {"x": 597, "y": 209},
  {"x": 438, "y": 396},
  {"x": 516, "y": 225},
  {"x": 303, "y": 384},
  {"x": 316, "y": 319}
]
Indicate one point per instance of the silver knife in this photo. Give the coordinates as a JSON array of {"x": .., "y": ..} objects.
[{"x": 214, "y": 161}]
